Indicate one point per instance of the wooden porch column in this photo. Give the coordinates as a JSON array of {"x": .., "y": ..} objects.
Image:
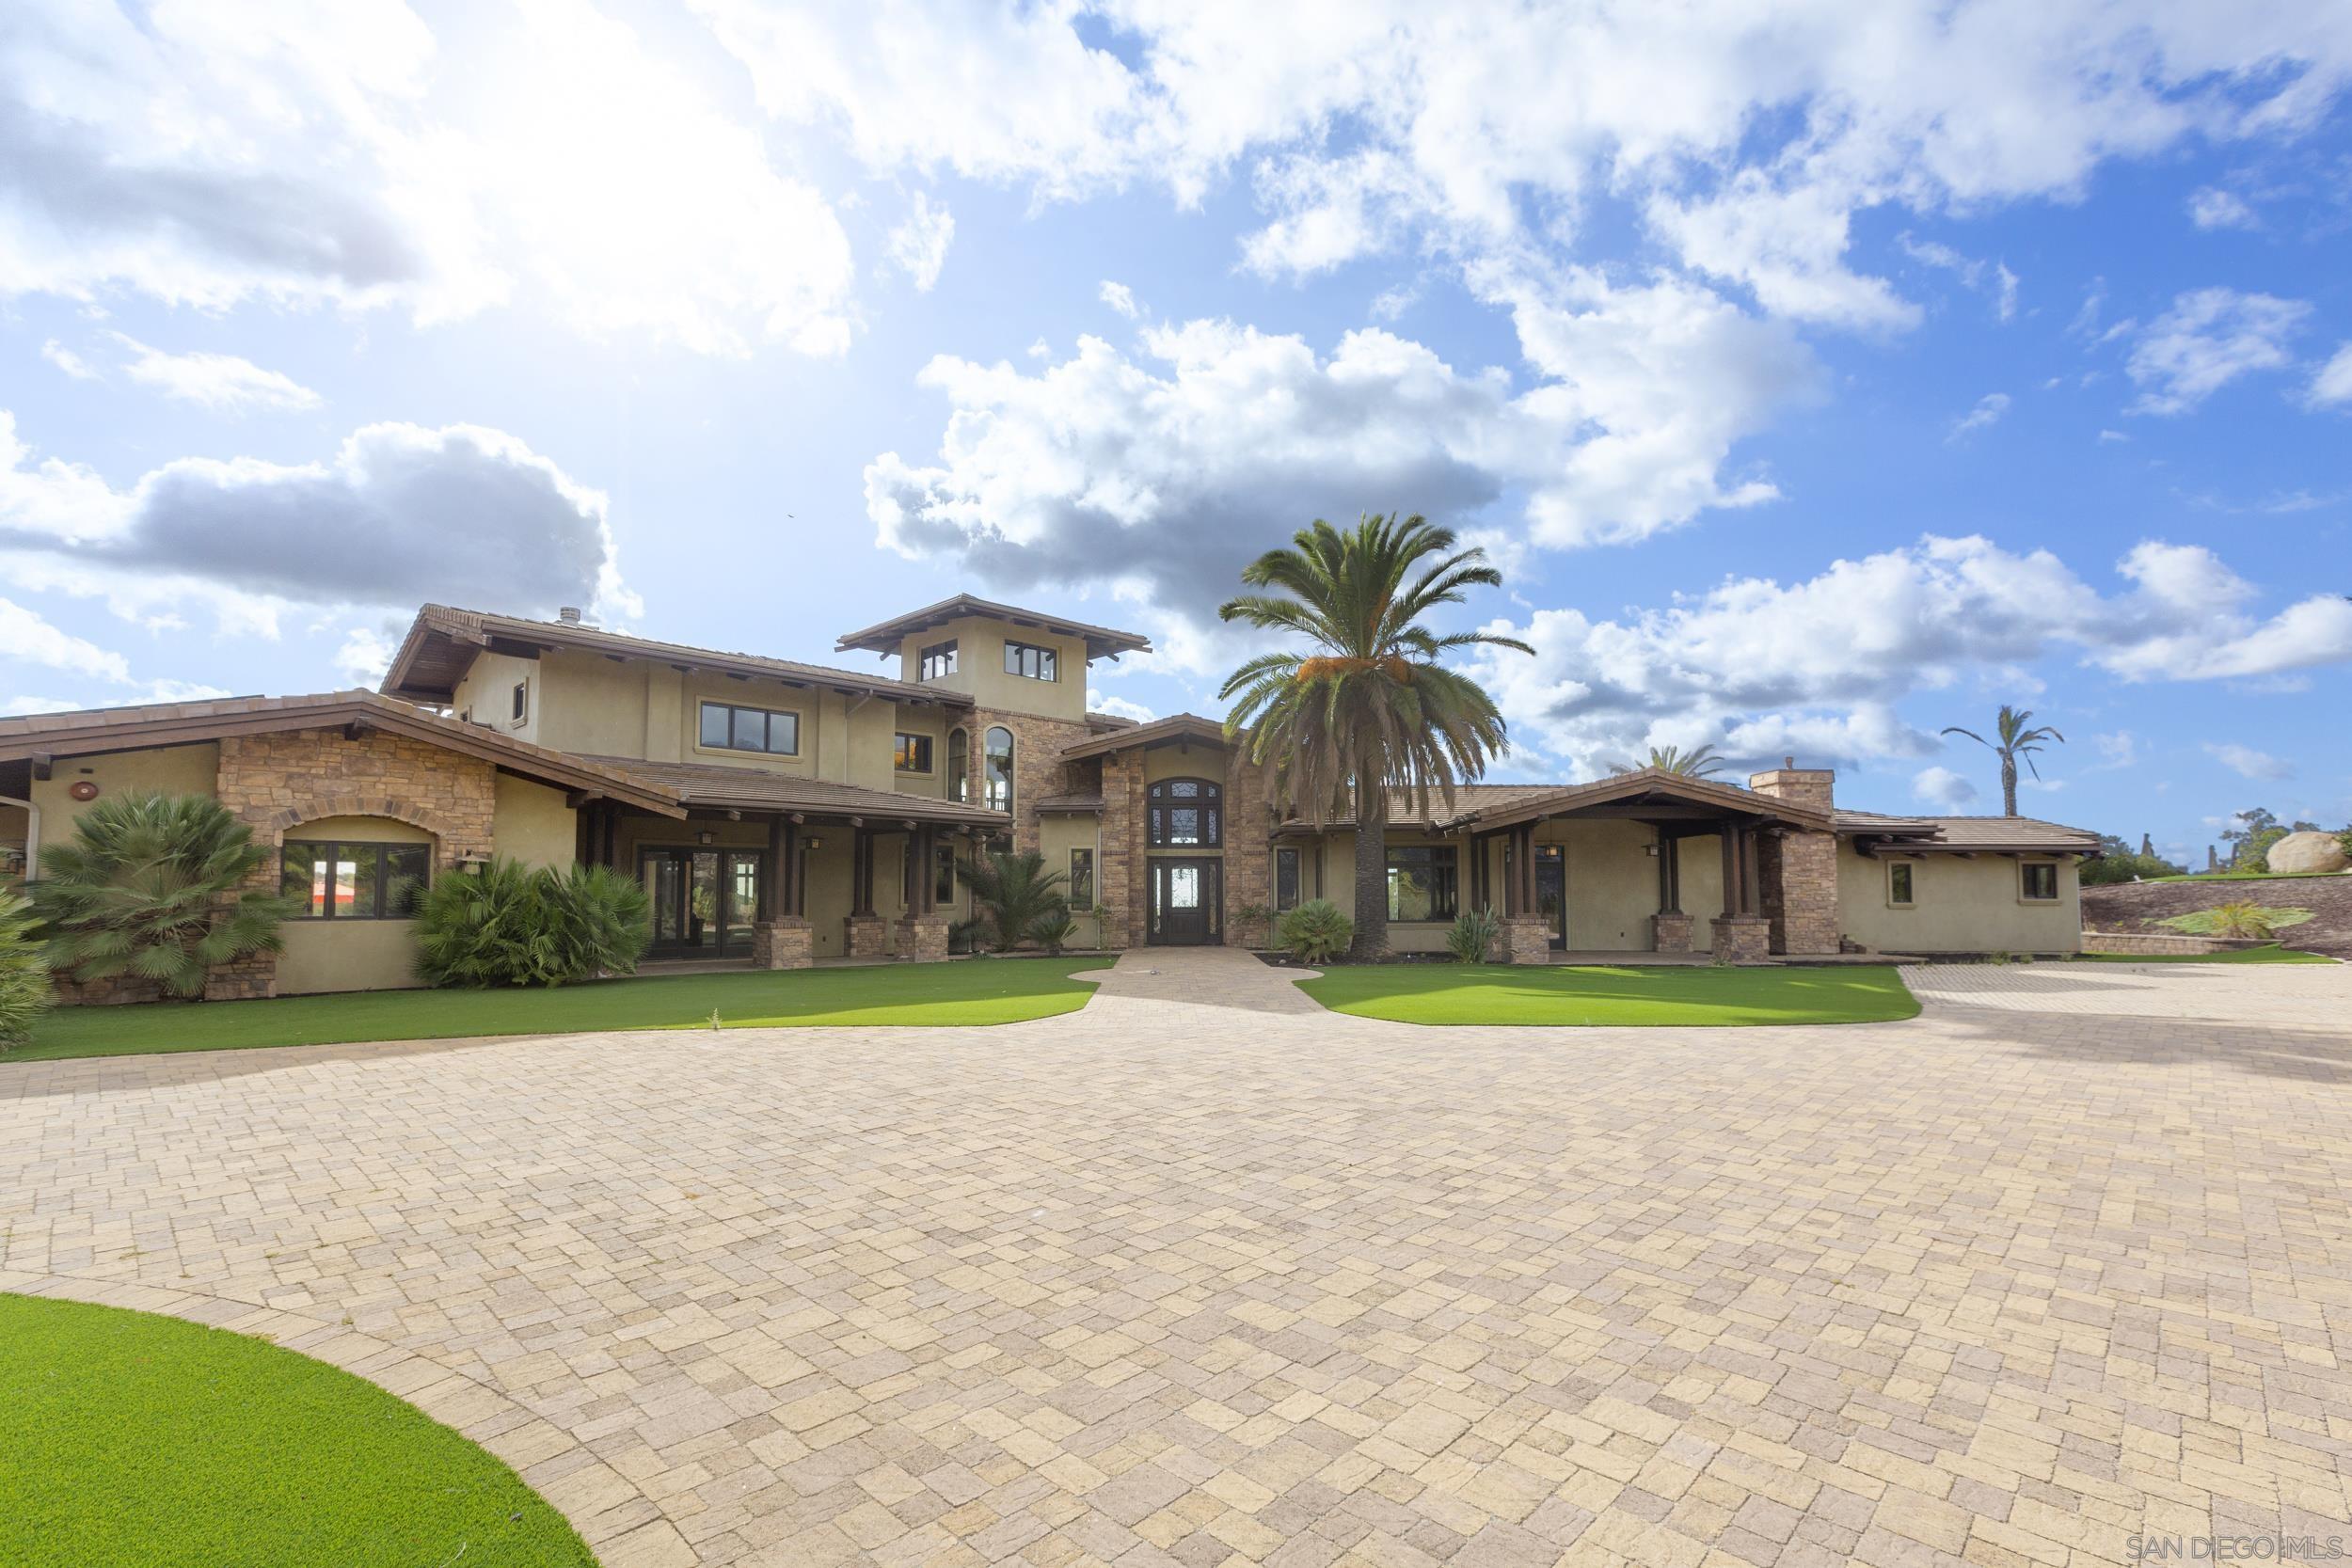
[
  {"x": 771, "y": 871},
  {"x": 1669, "y": 873},
  {"x": 928, "y": 879},
  {"x": 612, "y": 815},
  {"x": 862, "y": 872},
  {"x": 1733, "y": 902},
  {"x": 791, "y": 877},
  {"x": 907, "y": 894}
]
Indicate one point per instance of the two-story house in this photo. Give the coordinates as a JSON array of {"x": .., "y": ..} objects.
[{"x": 781, "y": 814}]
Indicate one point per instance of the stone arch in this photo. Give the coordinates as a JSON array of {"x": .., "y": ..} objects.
[{"x": 448, "y": 841}]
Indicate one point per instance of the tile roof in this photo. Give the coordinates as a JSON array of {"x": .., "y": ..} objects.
[
  {"x": 1967, "y": 833},
  {"x": 1157, "y": 731},
  {"x": 698, "y": 783},
  {"x": 884, "y": 636}
]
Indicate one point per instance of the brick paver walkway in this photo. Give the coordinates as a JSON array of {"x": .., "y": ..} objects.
[{"x": 1201, "y": 1277}]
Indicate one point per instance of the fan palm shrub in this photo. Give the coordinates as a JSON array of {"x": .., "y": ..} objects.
[
  {"x": 602, "y": 920},
  {"x": 1014, "y": 896},
  {"x": 24, "y": 994},
  {"x": 1364, "y": 705},
  {"x": 1315, "y": 932},
  {"x": 492, "y": 928},
  {"x": 155, "y": 887}
]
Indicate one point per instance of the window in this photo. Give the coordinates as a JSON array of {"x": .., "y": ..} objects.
[
  {"x": 943, "y": 874},
  {"x": 354, "y": 881},
  {"x": 727, "y": 728},
  {"x": 1285, "y": 878},
  {"x": 914, "y": 753},
  {"x": 959, "y": 765},
  {"x": 1082, "y": 878},
  {"x": 521, "y": 707},
  {"x": 1026, "y": 659},
  {"x": 1421, "y": 882},
  {"x": 999, "y": 770},
  {"x": 1899, "y": 883},
  {"x": 938, "y": 659},
  {"x": 1186, "y": 814},
  {"x": 2039, "y": 880}
]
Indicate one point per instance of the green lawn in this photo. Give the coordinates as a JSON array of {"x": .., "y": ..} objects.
[
  {"x": 2270, "y": 953},
  {"x": 969, "y": 991},
  {"x": 1648, "y": 994},
  {"x": 140, "y": 1441}
]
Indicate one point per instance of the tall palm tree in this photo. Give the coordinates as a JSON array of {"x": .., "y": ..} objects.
[
  {"x": 1697, "y": 763},
  {"x": 2016, "y": 740},
  {"x": 1367, "y": 708}
]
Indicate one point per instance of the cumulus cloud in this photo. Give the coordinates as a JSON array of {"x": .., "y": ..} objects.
[
  {"x": 919, "y": 244},
  {"x": 1117, "y": 708},
  {"x": 1943, "y": 788},
  {"x": 1986, "y": 414},
  {"x": 2208, "y": 339},
  {"x": 69, "y": 362},
  {"x": 2247, "y": 763},
  {"x": 1993, "y": 279},
  {"x": 2332, "y": 386},
  {"x": 365, "y": 654},
  {"x": 2210, "y": 207},
  {"x": 223, "y": 382},
  {"x": 1118, "y": 297},
  {"x": 1820, "y": 666},
  {"x": 1163, "y": 465},
  {"x": 336, "y": 154},
  {"x": 397, "y": 515}
]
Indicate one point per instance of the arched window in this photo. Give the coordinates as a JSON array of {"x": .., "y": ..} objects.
[
  {"x": 1186, "y": 814},
  {"x": 959, "y": 766},
  {"x": 999, "y": 761}
]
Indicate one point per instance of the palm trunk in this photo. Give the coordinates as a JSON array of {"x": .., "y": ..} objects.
[
  {"x": 2008, "y": 786},
  {"x": 1372, "y": 870}
]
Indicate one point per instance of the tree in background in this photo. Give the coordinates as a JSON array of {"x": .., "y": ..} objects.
[
  {"x": 2017, "y": 738},
  {"x": 2253, "y": 833},
  {"x": 1697, "y": 763},
  {"x": 2119, "y": 862},
  {"x": 1365, "y": 706}
]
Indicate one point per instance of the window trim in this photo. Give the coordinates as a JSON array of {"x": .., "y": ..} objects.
[
  {"x": 1441, "y": 910},
  {"x": 1911, "y": 868},
  {"x": 1155, "y": 804},
  {"x": 1077, "y": 905},
  {"x": 945, "y": 652},
  {"x": 2024, "y": 894},
  {"x": 703, "y": 704},
  {"x": 1012, "y": 774},
  {"x": 1049, "y": 662},
  {"x": 1299, "y": 877},
  {"x": 959, "y": 765},
  {"x": 925, "y": 751},
  {"x": 381, "y": 881},
  {"x": 518, "y": 706}
]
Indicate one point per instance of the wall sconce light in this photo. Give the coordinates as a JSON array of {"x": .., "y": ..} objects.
[
  {"x": 1650, "y": 849},
  {"x": 470, "y": 865},
  {"x": 815, "y": 842},
  {"x": 706, "y": 837}
]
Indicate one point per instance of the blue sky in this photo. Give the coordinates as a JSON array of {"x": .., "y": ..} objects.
[{"x": 1819, "y": 376}]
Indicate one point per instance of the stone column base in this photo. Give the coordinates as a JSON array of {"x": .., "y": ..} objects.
[
  {"x": 865, "y": 935},
  {"x": 1741, "y": 939},
  {"x": 787, "y": 943},
  {"x": 1526, "y": 938},
  {"x": 1669, "y": 932},
  {"x": 923, "y": 938}
]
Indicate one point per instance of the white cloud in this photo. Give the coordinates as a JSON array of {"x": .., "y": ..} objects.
[
  {"x": 2209, "y": 338},
  {"x": 2210, "y": 207},
  {"x": 19, "y": 707},
  {"x": 68, "y": 362},
  {"x": 1118, "y": 297},
  {"x": 1989, "y": 278},
  {"x": 26, "y": 637},
  {"x": 397, "y": 515},
  {"x": 1117, "y": 708},
  {"x": 1943, "y": 788},
  {"x": 365, "y": 654},
  {"x": 919, "y": 244},
  {"x": 218, "y": 381},
  {"x": 2247, "y": 763},
  {"x": 2333, "y": 384},
  {"x": 2118, "y": 748},
  {"x": 1986, "y": 414},
  {"x": 339, "y": 154},
  {"x": 1820, "y": 666}
]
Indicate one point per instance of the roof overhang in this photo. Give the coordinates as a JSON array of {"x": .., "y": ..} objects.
[
  {"x": 1648, "y": 795},
  {"x": 1180, "y": 729},
  {"x": 94, "y": 732},
  {"x": 884, "y": 637}
]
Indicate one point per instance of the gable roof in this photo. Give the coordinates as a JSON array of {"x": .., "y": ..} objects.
[
  {"x": 1642, "y": 784},
  {"x": 884, "y": 637},
  {"x": 1177, "y": 728},
  {"x": 442, "y": 643},
  {"x": 91, "y": 731}
]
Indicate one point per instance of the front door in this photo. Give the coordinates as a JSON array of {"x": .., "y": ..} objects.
[
  {"x": 1187, "y": 903},
  {"x": 703, "y": 900},
  {"x": 1552, "y": 891}
]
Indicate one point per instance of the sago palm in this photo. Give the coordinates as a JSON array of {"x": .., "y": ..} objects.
[
  {"x": 2017, "y": 739},
  {"x": 1365, "y": 706},
  {"x": 1014, "y": 898},
  {"x": 154, "y": 887}
]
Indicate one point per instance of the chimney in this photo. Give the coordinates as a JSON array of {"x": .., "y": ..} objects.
[
  {"x": 1802, "y": 787},
  {"x": 569, "y": 614}
]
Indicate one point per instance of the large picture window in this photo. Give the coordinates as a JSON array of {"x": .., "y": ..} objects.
[
  {"x": 2038, "y": 881},
  {"x": 914, "y": 753},
  {"x": 1285, "y": 880},
  {"x": 999, "y": 770},
  {"x": 353, "y": 881},
  {"x": 727, "y": 728},
  {"x": 1081, "y": 889},
  {"x": 938, "y": 659},
  {"x": 959, "y": 766},
  {"x": 1028, "y": 659},
  {"x": 1186, "y": 814},
  {"x": 1420, "y": 881}
]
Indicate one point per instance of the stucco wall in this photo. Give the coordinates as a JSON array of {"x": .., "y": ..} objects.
[
  {"x": 1958, "y": 906},
  {"x": 980, "y": 667},
  {"x": 486, "y": 695},
  {"x": 350, "y": 955},
  {"x": 532, "y": 824},
  {"x": 168, "y": 770},
  {"x": 1060, "y": 833}
]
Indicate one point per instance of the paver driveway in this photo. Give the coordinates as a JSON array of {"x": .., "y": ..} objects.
[{"x": 1201, "y": 1275}]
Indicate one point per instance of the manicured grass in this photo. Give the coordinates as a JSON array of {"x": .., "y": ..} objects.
[
  {"x": 1500, "y": 993},
  {"x": 140, "y": 1441},
  {"x": 967, "y": 992},
  {"x": 2270, "y": 953}
]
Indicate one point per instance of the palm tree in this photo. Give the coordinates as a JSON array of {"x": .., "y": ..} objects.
[
  {"x": 1697, "y": 763},
  {"x": 2017, "y": 740},
  {"x": 1367, "y": 708},
  {"x": 157, "y": 887},
  {"x": 1014, "y": 899}
]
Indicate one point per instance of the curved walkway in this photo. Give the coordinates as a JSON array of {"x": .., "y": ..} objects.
[{"x": 1201, "y": 1275}]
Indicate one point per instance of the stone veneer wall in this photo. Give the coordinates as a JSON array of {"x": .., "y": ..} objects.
[
  {"x": 1249, "y": 850},
  {"x": 1038, "y": 770},
  {"x": 1119, "y": 879},
  {"x": 1796, "y": 873}
]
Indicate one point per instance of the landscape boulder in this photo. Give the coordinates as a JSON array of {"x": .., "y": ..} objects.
[{"x": 2308, "y": 852}]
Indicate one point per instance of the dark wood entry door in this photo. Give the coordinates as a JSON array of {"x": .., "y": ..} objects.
[
  {"x": 703, "y": 900},
  {"x": 1552, "y": 891},
  {"x": 1187, "y": 903}
]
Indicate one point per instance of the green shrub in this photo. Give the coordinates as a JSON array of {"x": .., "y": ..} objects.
[
  {"x": 149, "y": 887},
  {"x": 2108, "y": 870},
  {"x": 514, "y": 924},
  {"x": 1317, "y": 931},
  {"x": 2240, "y": 917},
  {"x": 24, "y": 994},
  {"x": 1473, "y": 935},
  {"x": 1054, "y": 931},
  {"x": 1013, "y": 896}
]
